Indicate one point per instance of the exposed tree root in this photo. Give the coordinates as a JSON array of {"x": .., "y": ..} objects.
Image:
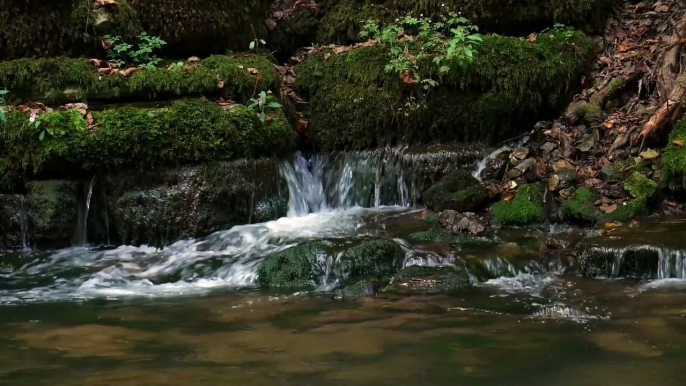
[{"x": 669, "y": 110}]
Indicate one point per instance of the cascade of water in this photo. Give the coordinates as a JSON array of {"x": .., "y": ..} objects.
[
  {"x": 483, "y": 162},
  {"x": 24, "y": 222},
  {"x": 81, "y": 237}
]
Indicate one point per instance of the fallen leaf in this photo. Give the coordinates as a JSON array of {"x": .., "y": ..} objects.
[
  {"x": 649, "y": 154},
  {"x": 220, "y": 83},
  {"x": 609, "y": 209},
  {"x": 678, "y": 143},
  {"x": 532, "y": 38},
  {"x": 609, "y": 124},
  {"x": 253, "y": 71},
  {"x": 663, "y": 8},
  {"x": 107, "y": 71},
  {"x": 610, "y": 225},
  {"x": 408, "y": 77},
  {"x": 131, "y": 70},
  {"x": 342, "y": 49},
  {"x": 193, "y": 59},
  {"x": 106, "y": 44},
  {"x": 104, "y": 3},
  {"x": 625, "y": 45},
  {"x": 509, "y": 197},
  {"x": 512, "y": 185},
  {"x": 302, "y": 126},
  {"x": 90, "y": 122},
  {"x": 327, "y": 56},
  {"x": 80, "y": 107}
]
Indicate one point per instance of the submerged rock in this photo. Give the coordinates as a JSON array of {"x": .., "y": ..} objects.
[
  {"x": 422, "y": 279},
  {"x": 456, "y": 222},
  {"x": 457, "y": 191},
  {"x": 302, "y": 266},
  {"x": 361, "y": 289},
  {"x": 441, "y": 236}
]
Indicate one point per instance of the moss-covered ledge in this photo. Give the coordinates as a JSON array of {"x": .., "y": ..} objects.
[
  {"x": 342, "y": 19},
  {"x": 188, "y": 131},
  {"x": 62, "y": 80},
  {"x": 511, "y": 83}
]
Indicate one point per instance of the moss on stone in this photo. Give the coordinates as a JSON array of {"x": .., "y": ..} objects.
[
  {"x": 673, "y": 164},
  {"x": 37, "y": 28},
  {"x": 186, "y": 132},
  {"x": 627, "y": 211},
  {"x": 641, "y": 187},
  {"x": 580, "y": 206},
  {"x": 294, "y": 33},
  {"x": 525, "y": 209},
  {"x": 53, "y": 210},
  {"x": 371, "y": 258},
  {"x": 361, "y": 289},
  {"x": 421, "y": 279},
  {"x": 343, "y": 18},
  {"x": 457, "y": 191},
  {"x": 442, "y": 236},
  {"x": 68, "y": 80},
  {"x": 302, "y": 266},
  {"x": 199, "y": 27},
  {"x": 496, "y": 96}
]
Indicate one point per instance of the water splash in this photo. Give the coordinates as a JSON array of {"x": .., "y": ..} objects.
[
  {"x": 483, "y": 162},
  {"x": 24, "y": 222},
  {"x": 81, "y": 236}
]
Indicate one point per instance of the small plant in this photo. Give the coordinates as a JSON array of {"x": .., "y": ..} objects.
[
  {"x": 122, "y": 53},
  {"x": 262, "y": 103},
  {"x": 37, "y": 122},
  {"x": 3, "y": 102},
  {"x": 567, "y": 32},
  {"x": 414, "y": 43},
  {"x": 255, "y": 43}
]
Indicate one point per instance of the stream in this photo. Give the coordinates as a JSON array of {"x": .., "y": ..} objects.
[{"x": 193, "y": 314}]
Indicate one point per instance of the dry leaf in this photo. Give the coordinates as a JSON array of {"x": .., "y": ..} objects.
[
  {"x": 408, "y": 77},
  {"x": 609, "y": 209},
  {"x": 193, "y": 59},
  {"x": 662, "y": 8},
  {"x": 649, "y": 154},
  {"x": 220, "y": 83},
  {"x": 342, "y": 49},
  {"x": 509, "y": 197},
  {"x": 512, "y": 185},
  {"x": 80, "y": 107},
  {"x": 104, "y": 3},
  {"x": 625, "y": 45},
  {"x": 302, "y": 126},
  {"x": 610, "y": 225},
  {"x": 678, "y": 143},
  {"x": 609, "y": 124},
  {"x": 253, "y": 71},
  {"x": 532, "y": 38}
]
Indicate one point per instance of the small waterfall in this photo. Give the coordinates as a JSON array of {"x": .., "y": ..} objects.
[
  {"x": 391, "y": 176},
  {"x": 81, "y": 237},
  {"x": 483, "y": 162},
  {"x": 648, "y": 261},
  {"x": 24, "y": 221}
]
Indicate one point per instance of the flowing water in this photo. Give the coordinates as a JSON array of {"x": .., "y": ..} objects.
[{"x": 191, "y": 313}]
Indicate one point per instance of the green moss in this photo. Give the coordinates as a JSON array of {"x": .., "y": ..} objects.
[
  {"x": 298, "y": 31},
  {"x": 302, "y": 266},
  {"x": 673, "y": 164},
  {"x": 186, "y": 132},
  {"x": 640, "y": 186},
  {"x": 590, "y": 111},
  {"x": 361, "y": 289},
  {"x": 371, "y": 258},
  {"x": 627, "y": 211},
  {"x": 509, "y": 81},
  {"x": 421, "y": 279},
  {"x": 343, "y": 18},
  {"x": 199, "y": 27},
  {"x": 457, "y": 191},
  {"x": 580, "y": 206},
  {"x": 442, "y": 236},
  {"x": 68, "y": 80},
  {"x": 36, "y": 28},
  {"x": 525, "y": 209}
]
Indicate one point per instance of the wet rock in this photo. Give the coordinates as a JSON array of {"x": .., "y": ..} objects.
[
  {"x": 567, "y": 179},
  {"x": 442, "y": 236},
  {"x": 540, "y": 170},
  {"x": 518, "y": 155},
  {"x": 496, "y": 167},
  {"x": 102, "y": 20},
  {"x": 457, "y": 191},
  {"x": 566, "y": 193},
  {"x": 548, "y": 147},
  {"x": 302, "y": 266},
  {"x": 513, "y": 174},
  {"x": 457, "y": 223},
  {"x": 641, "y": 187},
  {"x": 422, "y": 279},
  {"x": 596, "y": 260},
  {"x": 554, "y": 183},
  {"x": 361, "y": 289},
  {"x": 53, "y": 212},
  {"x": 10, "y": 221},
  {"x": 525, "y": 209}
]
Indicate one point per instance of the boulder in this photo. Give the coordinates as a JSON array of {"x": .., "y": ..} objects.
[
  {"x": 526, "y": 208},
  {"x": 457, "y": 191},
  {"x": 53, "y": 212},
  {"x": 580, "y": 207},
  {"x": 457, "y": 222}
]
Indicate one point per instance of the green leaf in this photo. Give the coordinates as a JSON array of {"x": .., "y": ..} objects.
[
  {"x": 263, "y": 95},
  {"x": 274, "y": 105},
  {"x": 252, "y": 45},
  {"x": 3, "y": 117},
  {"x": 4, "y": 92},
  {"x": 42, "y": 135},
  {"x": 262, "y": 41}
]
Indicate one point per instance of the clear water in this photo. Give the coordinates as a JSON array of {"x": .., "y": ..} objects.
[{"x": 190, "y": 314}]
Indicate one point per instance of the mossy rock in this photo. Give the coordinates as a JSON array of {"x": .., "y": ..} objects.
[
  {"x": 627, "y": 211},
  {"x": 457, "y": 191},
  {"x": 421, "y": 279},
  {"x": 525, "y": 209},
  {"x": 641, "y": 187},
  {"x": 361, "y": 289},
  {"x": 53, "y": 212},
  {"x": 158, "y": 207},
  {"x": 202, "y": 27},
  {"x": 442, "y": 236},
  {"x": 38, "y": 28},
  {"x": 63, "y": 80},
  {"x": 297, "y": 31},
  {"x": 580, "y": 207},
  {"x": 302, "y": 266},
  {"x": 10, "y": 221},
  {"x": 503, "y": 92},
  {"x": 673, "y": 164},
  {"x": 597, "y": 261},
  {"x": 305, "y": 265},
  {"x": 343, "y": 18},
  {"x": 189, "y": 131}
]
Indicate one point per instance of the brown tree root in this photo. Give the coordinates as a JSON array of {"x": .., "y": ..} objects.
[{"x": 669, "y": 110}]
